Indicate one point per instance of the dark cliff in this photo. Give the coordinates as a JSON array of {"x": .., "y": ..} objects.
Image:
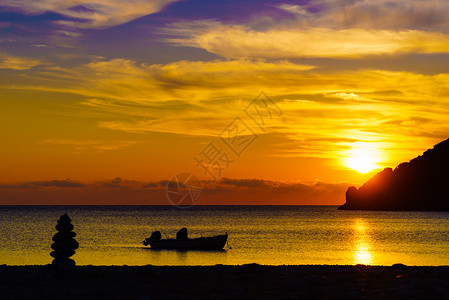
[{"x": 421, "y": 184}]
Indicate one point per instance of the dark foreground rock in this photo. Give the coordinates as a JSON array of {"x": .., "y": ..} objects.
[
  {"x": 225, "y": 282},
  {"x": 421, "y": 184}
]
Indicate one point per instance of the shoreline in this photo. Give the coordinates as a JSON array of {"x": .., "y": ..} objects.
[{"x": 225, "y": 281}]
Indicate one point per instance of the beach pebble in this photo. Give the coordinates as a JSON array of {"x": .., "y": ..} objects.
[
  {"x": 230, "y": 290},
  {"x": 294, "y": 284},
  {"x": 405, "y": 289},
  {"x": 435, "y": 285},
  {"x": 77, "y": 292},
  {"x": 224, "y": 282}
]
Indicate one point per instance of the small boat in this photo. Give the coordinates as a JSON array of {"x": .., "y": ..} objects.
[{"x": 182, "y": 242}]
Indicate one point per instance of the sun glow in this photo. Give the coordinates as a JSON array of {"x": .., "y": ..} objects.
[{"x": 362, "y": 158}]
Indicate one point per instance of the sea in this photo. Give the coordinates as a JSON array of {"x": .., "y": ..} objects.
[{"x": 268, "y": 235}]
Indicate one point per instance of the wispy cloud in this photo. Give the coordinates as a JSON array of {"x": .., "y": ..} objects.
[
  {"x": 88, "y": 145},
  {"x": 123, "y": 79},
  {"x": 325, "y": 29},
  {"x": 8, "y": 61},
  {"x": 92, "y": 14},
  {"x": 372, "y": 14},
  {"x": 126, "y": 80},
  {"x": 238, "y": 41}
]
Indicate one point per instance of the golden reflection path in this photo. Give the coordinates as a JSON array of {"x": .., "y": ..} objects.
[{"x": 362, "y": 246}]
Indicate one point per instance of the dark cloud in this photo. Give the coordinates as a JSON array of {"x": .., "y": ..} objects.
[
  {"x": 244, "y": 182},
  {"x": 116, "y": 182},
  {"x": 59, "y": 183},
  {"x": 164, "y": 182},
  {"x": 150, "y": 185},
  {"x": 120, "y": 183},
  {"x": 225, "y": 184},
  {"x": 224, "y": 192},
  {"x": 278, "y": 187},
  {"x": 67, "y": 183}
]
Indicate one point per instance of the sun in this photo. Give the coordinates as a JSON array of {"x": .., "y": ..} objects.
[
  {"x": 362, "y": 163},
  {"x": 362, "y": 158}
]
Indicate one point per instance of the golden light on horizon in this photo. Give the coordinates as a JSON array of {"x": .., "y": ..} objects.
[{"x": 362, "y": 158}]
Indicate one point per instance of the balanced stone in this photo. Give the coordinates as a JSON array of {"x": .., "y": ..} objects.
[
  {"x": 64, "y": 245},
  {"x": 63, "y": 236}
]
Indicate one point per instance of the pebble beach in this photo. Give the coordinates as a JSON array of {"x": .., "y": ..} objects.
[{"x": 225, "y": 282}]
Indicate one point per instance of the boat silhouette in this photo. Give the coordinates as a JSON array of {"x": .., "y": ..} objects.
[{"x": 183, "y": 242}]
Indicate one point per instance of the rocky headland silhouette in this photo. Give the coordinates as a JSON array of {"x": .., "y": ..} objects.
[{"x": 421, "y": 185}]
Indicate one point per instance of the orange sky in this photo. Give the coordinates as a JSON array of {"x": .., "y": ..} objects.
[{"x": 138, "y": 93}]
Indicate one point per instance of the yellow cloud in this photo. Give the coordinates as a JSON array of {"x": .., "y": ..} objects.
[
  {"x": 372, "y": 14},
  {"x": 200, "y": 98},
  {"x": 88, "y": 145},
  {"x": 124, "y": 79},
  {"x": 98, "y": 13},
  {"x": 17, "y": 63},
  {"x": 349, "y": 96},
  {"x": 234, "y": 41},
  {"x": 127, "y": 81}
]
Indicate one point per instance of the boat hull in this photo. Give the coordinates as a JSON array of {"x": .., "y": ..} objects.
[{"x": 203, "y": 243}]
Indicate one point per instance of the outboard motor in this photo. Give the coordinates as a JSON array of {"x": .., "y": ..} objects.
[
  {"x": 155, "y": 236},
  {"x": 182, "y": 234}
]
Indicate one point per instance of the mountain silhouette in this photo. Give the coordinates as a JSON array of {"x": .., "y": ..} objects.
[{"x": 421, "y": 184}]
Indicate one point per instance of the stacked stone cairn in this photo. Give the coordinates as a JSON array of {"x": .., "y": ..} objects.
[{"x": 64, "y": 243}]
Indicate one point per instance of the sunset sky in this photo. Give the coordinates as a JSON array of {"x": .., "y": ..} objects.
[{"x": 104, "y": 101}]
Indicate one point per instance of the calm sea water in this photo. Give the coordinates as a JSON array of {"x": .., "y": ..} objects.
[{"x": 274, "y": 235}]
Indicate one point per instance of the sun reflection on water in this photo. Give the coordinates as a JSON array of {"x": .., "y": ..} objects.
[{"x": 362, "y": 253}]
